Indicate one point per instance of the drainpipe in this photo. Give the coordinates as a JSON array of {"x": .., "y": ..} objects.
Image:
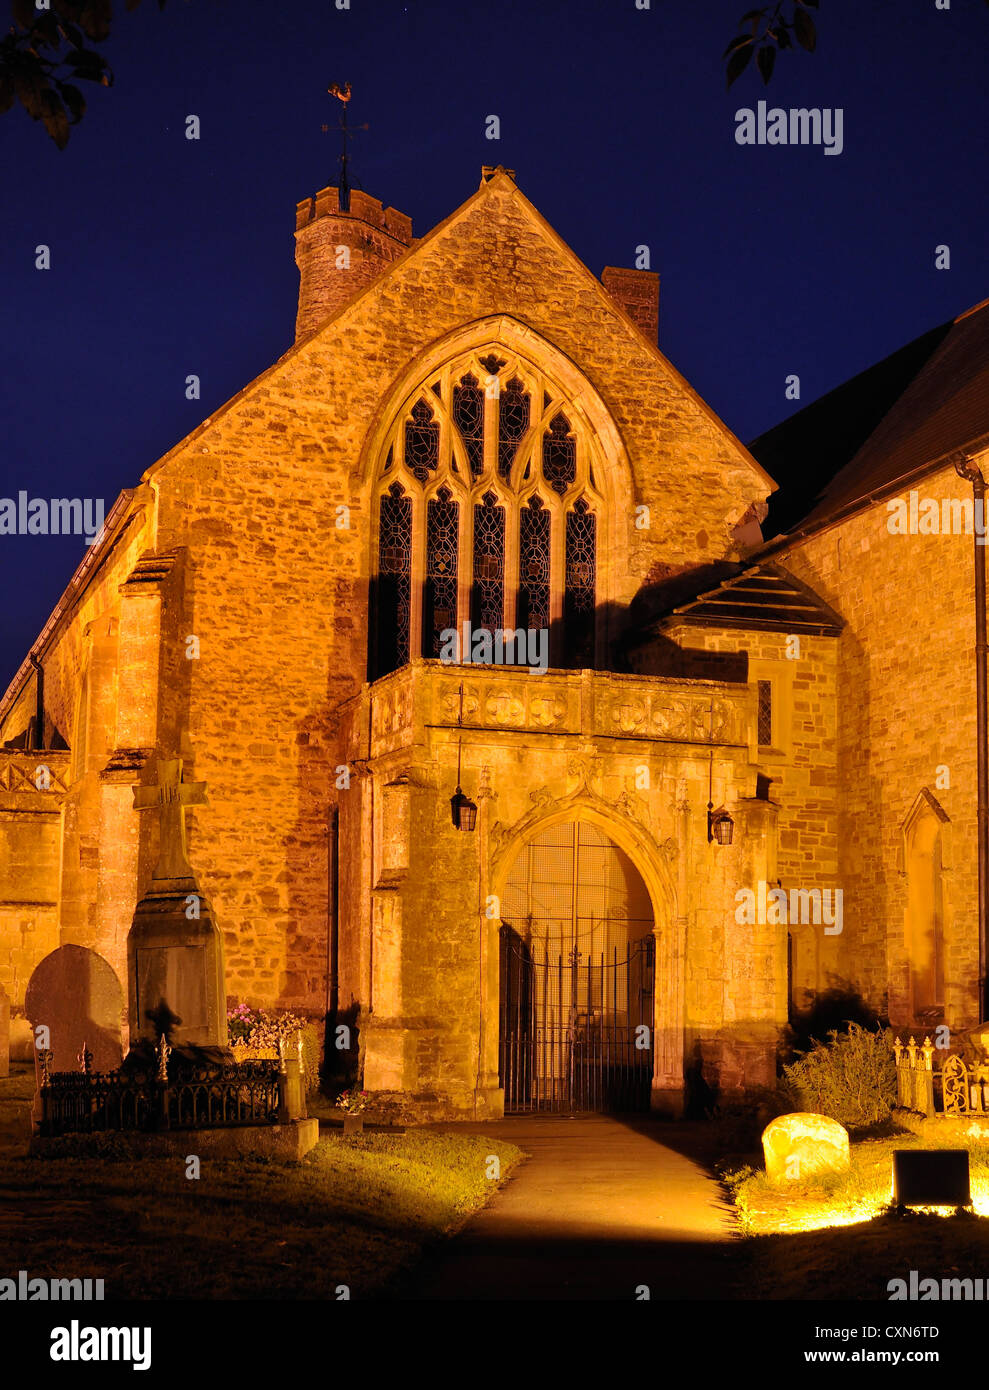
[
  {"x": 333, "y": 925},
  {"x": 966, "y": 468},
  {"x": 39, "y": 717}
]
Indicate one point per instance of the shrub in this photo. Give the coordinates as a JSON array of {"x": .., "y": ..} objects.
[
  {"x": 851, "y": 1077},
  {"x": 255, "y": 1033}
]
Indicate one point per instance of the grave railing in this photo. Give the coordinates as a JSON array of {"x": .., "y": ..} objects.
[
  {"x": 183, "y": 1096},
  {"x": 934, "y": 1082}
]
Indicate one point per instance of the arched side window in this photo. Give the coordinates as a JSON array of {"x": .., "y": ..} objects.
[
  {"x": 923, "y": 863},
  {"x": 487, "y": 514}
]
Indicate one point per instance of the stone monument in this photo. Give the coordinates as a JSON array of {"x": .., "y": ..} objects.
[{"x": 175, "y": 976}]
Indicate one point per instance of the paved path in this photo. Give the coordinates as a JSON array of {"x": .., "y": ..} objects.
[{"x": 600, "y": 1208}]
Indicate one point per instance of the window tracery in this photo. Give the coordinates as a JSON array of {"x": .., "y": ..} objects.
[{"x": 488, "y": 512}]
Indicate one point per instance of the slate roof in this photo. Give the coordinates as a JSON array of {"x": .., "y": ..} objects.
[
  {"x": 763, "y": 597},
  {"x": 888, "y": 423}
]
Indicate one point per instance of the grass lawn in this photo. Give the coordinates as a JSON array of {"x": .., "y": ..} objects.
[
  {"x": 833, "y": 1237},
  {"x": 355, "y": 1212}
]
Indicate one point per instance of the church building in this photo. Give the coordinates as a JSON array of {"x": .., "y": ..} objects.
[{"x": 532, "y": 770}]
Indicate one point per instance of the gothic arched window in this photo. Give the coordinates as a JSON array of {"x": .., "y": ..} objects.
[
  {"x": 488, "y": 514},
  {"x": 394, "y": 579},
  {"x": 439, "y": 612}
]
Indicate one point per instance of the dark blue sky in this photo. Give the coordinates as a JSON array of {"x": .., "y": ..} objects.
[{"x": 172, "y": 257}]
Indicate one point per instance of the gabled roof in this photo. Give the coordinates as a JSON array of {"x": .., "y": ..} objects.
[
  {"x": 887, "y": 424},
  {"x": 763, "y": 597}
]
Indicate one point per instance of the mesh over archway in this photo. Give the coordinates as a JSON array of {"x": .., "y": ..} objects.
[{"x": 577, "y": 965}]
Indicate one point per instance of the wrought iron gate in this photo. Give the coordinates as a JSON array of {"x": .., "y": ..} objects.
[{"x": 576, "y": 1027}]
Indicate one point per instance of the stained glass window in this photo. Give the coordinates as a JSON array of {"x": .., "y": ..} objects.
[
  {"x": 468, "y": 416},
  {"x": 440, "y": 596},
  {"x": 476, "y": 416},
  {"x": 422, "y": 441},
  {"x": 559, "y": 455},
  {"x": 578, "y": 595},
  {"x": 488, "y": 592},
  {"x": 534, "y": 560},
  {"x": 394, "y": 581},
  {"x": 513, "y": 421}
]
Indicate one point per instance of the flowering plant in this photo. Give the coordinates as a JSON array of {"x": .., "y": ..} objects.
[
  {"x": 256, "y": 1032},
  {"x": 352, "y": 1102}
]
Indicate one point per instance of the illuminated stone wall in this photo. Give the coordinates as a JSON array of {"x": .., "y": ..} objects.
[
  {"x": 803, "y": 763},
  {"x": 228, "y": 626},
  {"x": 906, "y": 680}
]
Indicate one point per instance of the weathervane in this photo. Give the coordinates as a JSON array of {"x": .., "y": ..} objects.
[{"x": 343, "y": 95}]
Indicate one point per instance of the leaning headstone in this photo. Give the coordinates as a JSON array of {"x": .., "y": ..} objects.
[
  {"x": 798, "y": 1145},
  {"x": 4, "y": 1033},
  {"x": 76, "y": 995}
]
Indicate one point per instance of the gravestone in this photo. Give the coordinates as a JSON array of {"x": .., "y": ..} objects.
[
  {"x": 4, "y": 1033},
  {"x": 175, "y": 976},
  {"x": 76, "y": 995},
  {"x": 798, "y": 1145},
  {"x": 21, "y": 1041}
]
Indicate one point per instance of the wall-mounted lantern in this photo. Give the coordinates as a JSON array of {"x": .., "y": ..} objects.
[
  {"x": 720, "y": 826},
  {"x": 464, "y": 810}
]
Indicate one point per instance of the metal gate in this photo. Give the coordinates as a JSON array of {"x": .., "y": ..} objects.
[{"x": 576, "y": 1027}]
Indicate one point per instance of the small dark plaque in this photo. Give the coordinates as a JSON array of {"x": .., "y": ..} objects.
[{"x": 931, "y": 1178}]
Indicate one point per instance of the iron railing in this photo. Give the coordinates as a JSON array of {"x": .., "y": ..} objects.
[
  {"x": 947, "y": 1085},
  {"x": 190, "y": 1095},
  {"x": 576, "y": 1030}
]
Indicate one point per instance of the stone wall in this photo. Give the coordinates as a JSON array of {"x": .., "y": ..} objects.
[
  {"x": 270, "y": 502},
  {"x": 906, "y": 672},
  {"x": 803, "y": 765}
]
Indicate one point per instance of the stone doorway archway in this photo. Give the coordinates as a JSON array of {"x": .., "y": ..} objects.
[{"x": 577, "y": 973}]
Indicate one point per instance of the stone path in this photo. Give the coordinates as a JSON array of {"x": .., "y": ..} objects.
[{"x": 602, "y": 1207}]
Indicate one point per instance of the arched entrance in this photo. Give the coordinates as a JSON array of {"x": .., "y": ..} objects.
[{"x": 577, "y": 976}]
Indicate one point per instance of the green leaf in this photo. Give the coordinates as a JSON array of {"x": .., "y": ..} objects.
[
  {"x": 765, "y": 59},
  {"x": 737, "y": 63},
  {"x": 805, "y": 31},
  {"x": 739, "y": 42},
  {"x": 784, "y": 41},
  {"x": 88, "y": 66},
  {"x": 29, "y": 93},
  {"x": 73, "y": 99}
]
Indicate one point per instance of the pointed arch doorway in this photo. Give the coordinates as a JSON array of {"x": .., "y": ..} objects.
[{"x": 577, "y": 986}]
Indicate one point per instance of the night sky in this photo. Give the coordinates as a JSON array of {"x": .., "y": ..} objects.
[{"x": 172, "y": 256}]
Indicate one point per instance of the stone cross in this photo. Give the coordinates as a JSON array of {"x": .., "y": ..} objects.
[{"x": 170, "y": 795}]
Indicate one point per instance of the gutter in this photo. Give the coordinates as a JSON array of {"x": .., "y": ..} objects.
[
  {"x": 777, "y": 543},
  {"x": 113, "y": 526}
]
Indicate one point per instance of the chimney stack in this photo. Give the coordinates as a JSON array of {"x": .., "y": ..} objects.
[
  {"x": 339, "y": 253},
  {"x": 637, "y": 292}
]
